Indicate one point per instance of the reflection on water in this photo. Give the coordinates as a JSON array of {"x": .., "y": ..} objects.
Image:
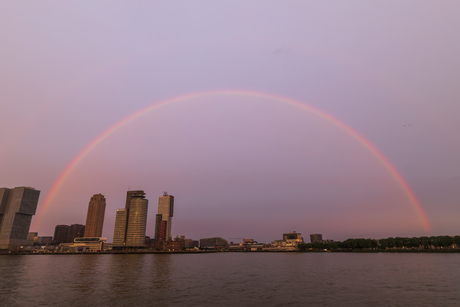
[
  {"x": 229, "y": 279},
  {"x": 160, "y": 273},
  {"x": 10, "y": 284},
  {"x": 84, "y": 279}
]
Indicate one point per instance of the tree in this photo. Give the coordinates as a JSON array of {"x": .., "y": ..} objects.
[
  {"x": 425, "y": 242},
  {"x": 304, "y": 246},
  {"x": 391, "y": 242},
  {"x": 457, "y": 241}
]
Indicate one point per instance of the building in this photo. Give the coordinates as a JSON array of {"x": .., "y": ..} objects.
[
  {"x": 289, "y": 242},
  {"x": 119, "y": 234},
  {"x": 75, "y": 231},
  {"x": 316, "y": 238},
  {"x": 131, "y": 222},
  {"x": 161, "y": 229},
  {"x": 84, "y": 244},
  {"x": 95, "y": 216},
  {"x": 170, "y": 245},
  {"x": 61, "y": 233},
  {"x": 297, "y": 237},
  {"x": 163, "y": 219},
  {"x": 17, "y": 206},
  {"x": 137, "y": 221},
  {"x": 189, "y": 243},
  {"x": 44, "y": 240},
  {"x": 215, "y": 242},
  {"x": 32, "y": 237},
  {"x": 282, "y": 245}
]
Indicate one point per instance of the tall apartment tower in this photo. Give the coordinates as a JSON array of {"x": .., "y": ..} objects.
[
  {"x": 119, "y": 234},
  {"x": 61, "y": 233},
  {"x": 131, "y": 222},
  {"x": 163, "y": 219},
  {"x": 137, "y": 221},
  {"x": 17, "y": 206},
  {"x": 95, "y": 216},
  {"x": 75, "y": 231}
]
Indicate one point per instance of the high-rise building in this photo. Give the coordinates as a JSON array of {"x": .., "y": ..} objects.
[
  {"x": 137, "y": 221},
  {"x": 316, "y": 238},
  {"x": 131, "y": 222},
  {"x": 130, "y": 195},
  {"x": 164, "y": 217},
  {"x": 17, "y": 206},
  {"x": 75, "y": 231},
  {"x": 119, "y": 234},
  {"x": 161, "y": 229},
  {"x": 61, "y": 233},
  {"x": 95, "y": 216}
]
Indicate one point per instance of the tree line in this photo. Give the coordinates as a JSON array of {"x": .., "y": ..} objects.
[{"x": 388, "y": 243}]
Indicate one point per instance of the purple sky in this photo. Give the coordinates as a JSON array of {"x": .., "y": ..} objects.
[{"x": 238, "y": 166}]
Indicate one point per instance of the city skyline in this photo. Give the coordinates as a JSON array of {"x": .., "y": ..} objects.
[{"x": 338, "y": 119}]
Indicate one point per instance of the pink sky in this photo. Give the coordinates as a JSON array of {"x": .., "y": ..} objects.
[{"x": 238, "y": 166}]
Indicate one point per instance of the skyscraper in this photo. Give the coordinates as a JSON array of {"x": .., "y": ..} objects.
[
  {"x": 137, "y": 221},
  {"x": 61, "y": 233},
  {"x": 163, "y": 219},
  {"x": 131, "y": 222},
  {"x": 16, "y": 209},
  {"x": 119, "y": 234},
  {"x": 75, "y": 231},
  {"x": 95, "y": 216}
]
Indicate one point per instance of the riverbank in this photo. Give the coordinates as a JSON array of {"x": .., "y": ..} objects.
[{"x": 406, "y": 251}]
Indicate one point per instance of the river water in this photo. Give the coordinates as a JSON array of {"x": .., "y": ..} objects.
[{"x": 231, "y": 279}]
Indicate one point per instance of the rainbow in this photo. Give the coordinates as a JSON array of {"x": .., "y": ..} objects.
[{"x": 95, "y": 142}]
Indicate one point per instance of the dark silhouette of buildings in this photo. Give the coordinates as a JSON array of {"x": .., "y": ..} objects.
[
  {"x": 75, "y": 231},
  {"x": 316, "y": 238},
  {"x": 215, "y": 242},
  {"x": 17, "y": 206},
  {"x": 61, "y": 233},
  {"x": 95, "y": 216},
  {"x": 44, "y": 240}
]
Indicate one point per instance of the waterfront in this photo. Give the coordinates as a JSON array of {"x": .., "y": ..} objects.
[{"x": 231, "y": 279}]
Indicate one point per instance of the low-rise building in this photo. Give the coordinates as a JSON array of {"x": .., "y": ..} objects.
[
  {"x": 189, "y": 243},
  {"x": 289, "y": 242},
  {"x": 44, "y": 239},
  {"x": 82, "y": 244},
  {"x": 293, "y": 236},
  {"x": 236, "y": 247},
  {"x": 213, "y": 243},
  {"x": 169, "y": 245}
]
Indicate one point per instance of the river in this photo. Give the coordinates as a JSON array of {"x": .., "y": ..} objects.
[{"x": 231, "y": 279}]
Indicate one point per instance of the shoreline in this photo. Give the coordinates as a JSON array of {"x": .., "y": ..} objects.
[{"x": 435, "y": 251}]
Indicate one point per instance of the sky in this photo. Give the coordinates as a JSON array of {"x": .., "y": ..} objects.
[{"x": 259, "y": 117}]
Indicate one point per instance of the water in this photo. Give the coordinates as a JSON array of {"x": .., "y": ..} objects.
[{"x": 231, "y": 279}]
